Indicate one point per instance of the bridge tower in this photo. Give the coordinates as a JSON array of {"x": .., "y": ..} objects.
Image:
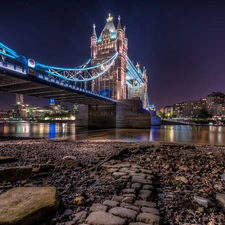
[{"x": 110, "y": 41}]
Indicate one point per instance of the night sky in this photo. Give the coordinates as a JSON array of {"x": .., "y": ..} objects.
[{"x": 181, "y": 43}]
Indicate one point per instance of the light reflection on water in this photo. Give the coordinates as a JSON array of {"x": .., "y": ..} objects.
[{"x": 167, "y": 133}]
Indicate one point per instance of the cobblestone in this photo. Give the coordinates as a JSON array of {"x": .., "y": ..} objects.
[
  {"x": 133, "y": 205},
  {"x": 123, "y": 212},
  {"x": 111, "y": 203},
  {"x": 148, "y": 218},
  {"x": 104, "y": 218},
  {"x": 150, "y": 210},
  {"x": 145, "y": 203},
  {"x": 98, "y": 207},
  {"x": 145, "y": 195}
]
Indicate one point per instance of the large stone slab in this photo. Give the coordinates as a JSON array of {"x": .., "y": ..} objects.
[
  {"x": 7, "y": 159},
  {"x": 15, "y": 173},
  {"x": 123, "y": 212},
  {"x": 41, "y": 168},
  {"x": 27, "y": 205},
  {"x": 104, "y": 218}
]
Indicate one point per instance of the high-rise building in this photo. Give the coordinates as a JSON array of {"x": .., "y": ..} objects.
[
  {"x": 178, "y": 109},
  {"x": 19, "y": 99},
  {"x": 216, "y": 103}
]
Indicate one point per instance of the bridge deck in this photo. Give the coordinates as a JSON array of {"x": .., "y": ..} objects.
[{"x": 29, "y": 85}]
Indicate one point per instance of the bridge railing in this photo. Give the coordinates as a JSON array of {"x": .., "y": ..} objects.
[{"x": 46, "y": 78}]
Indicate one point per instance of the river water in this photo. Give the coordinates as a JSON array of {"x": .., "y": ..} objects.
[{"x": 213, "y": 135}]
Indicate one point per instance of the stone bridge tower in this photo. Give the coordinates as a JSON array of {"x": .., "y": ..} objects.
[{"x": 110, "y": 41}]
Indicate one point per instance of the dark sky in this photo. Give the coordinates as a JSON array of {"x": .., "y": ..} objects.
[{"x": 181, "y": 43}]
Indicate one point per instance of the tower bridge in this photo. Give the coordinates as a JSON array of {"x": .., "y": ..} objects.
[{"x": 110, "y": 90}]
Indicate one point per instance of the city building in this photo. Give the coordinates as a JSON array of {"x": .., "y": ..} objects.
[
  {"x": 168, "y": 110},
  {"x": 178, "y": 109},
  {"x": 31, "y": 112},
  {"x": 4, "y": 115},
  {"x": 191, "y": 108},
  {"x": 214, "y": 103},
  {"x": 19, "y": 99}
]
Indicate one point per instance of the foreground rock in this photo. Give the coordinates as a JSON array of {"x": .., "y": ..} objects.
[
  {"x": 27, "y": 205},
  {"x": 182, "y": 178},
  {"x": 15, "y": 173},
  {"x": 7, "y": 159}
]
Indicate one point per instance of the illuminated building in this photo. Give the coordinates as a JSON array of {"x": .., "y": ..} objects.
[
  {"x": 30, "y": 112},
  {"x": 168, "y": 110},
  {"x": 191, "y": 108},
  {"x": 178, "y": 109},
  {"x": 215, "y": 103},
  {"x": 113, "y": 83},
  {"x": 19, "y": 99},
  {"x": 4, "y": 115}
]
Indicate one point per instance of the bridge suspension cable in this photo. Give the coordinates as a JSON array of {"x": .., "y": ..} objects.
[
  {"x": 150, "y": 107},
  {"x": 133, "y": 72},
  {"x": 81, "y": 73},
  {"x": 91, "y": 73}
]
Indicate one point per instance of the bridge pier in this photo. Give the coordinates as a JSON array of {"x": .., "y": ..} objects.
[{"x": 123, "y": 114}]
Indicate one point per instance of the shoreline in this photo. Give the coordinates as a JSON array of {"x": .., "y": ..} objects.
[{"x": 180, "y": 172}]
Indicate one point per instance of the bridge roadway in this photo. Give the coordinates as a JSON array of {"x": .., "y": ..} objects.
[{"x": 44, "y": 87}]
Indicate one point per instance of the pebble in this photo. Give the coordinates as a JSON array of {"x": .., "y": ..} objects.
[{"x": 174, "y": 172}]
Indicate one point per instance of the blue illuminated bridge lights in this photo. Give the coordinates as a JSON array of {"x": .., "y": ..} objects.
[{"x": 61, "y": 76}]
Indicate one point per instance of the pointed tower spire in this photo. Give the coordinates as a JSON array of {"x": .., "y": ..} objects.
[
  {"x": 138, "y": 67},
  {"x": 93, "y": 43},
  {"x": 124, "y": 28},
  {"x": 110, "y": 18},
  {"x": 119, "y": 24},
  {"x": 94, "y": 32}
]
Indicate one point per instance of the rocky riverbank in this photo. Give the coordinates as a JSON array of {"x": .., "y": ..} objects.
[{"x": 187, "y": 182}]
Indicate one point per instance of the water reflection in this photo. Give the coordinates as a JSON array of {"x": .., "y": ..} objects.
[
  {"x": 185, "y": 134},
  {"x": 52, "y": 130}
]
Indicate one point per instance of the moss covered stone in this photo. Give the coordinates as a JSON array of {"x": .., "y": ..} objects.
[{"x": 27, "y": 205}]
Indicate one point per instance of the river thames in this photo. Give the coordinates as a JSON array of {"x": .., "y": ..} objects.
[{"x": 213, "y": 135}]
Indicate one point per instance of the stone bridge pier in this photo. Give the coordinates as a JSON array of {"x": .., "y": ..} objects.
[{"x": 122, "y": 114}]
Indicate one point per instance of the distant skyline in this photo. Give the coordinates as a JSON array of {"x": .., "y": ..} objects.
[{"x": 181, "y": 43}]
